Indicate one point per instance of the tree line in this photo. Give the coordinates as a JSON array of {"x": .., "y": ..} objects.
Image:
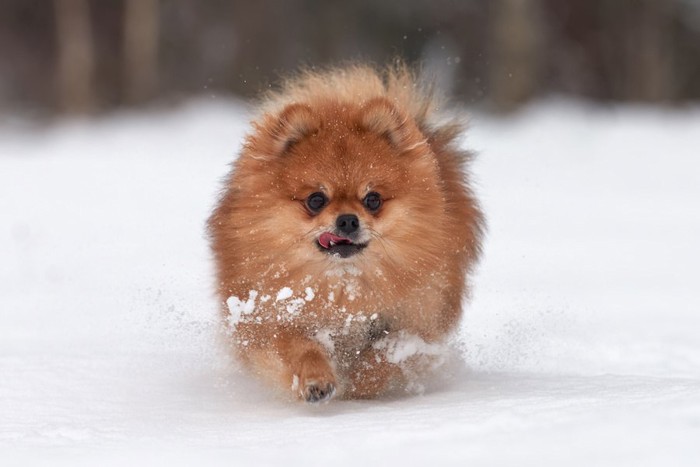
[{"x": 87, "y": 56}]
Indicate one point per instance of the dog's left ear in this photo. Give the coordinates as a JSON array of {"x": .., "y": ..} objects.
[
  {"x": 380, "y": 116},
  {"x": 294, "y": 123}
]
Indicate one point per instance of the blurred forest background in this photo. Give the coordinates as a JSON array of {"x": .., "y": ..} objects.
[{"x": 89, "y": 56}]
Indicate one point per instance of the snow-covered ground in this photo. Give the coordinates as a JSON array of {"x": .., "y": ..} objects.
[{"x": 582, "y": 340}]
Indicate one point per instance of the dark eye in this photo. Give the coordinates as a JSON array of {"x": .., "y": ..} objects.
[
  {"x": 372, "y": 201},
  {"x": 316, "y": 201}
]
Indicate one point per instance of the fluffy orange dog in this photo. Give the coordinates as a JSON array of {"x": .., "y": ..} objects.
[{"x": 345, "y": 235}]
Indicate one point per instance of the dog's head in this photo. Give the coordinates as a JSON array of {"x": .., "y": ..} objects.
[{"x": 339, "y": 184}]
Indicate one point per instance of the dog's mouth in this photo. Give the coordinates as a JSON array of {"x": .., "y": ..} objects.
[{"x": 339, "y": 246}]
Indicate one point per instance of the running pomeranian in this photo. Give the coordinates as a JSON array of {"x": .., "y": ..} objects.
[{"x": 345, "y": 235}]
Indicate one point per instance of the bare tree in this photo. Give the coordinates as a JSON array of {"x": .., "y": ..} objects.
[
  {"x": 516, "y": 44},
  {"x": 649, "y": 53},
  {"x": 75, "y": 54},
  {"x": 141, "y": 31}
]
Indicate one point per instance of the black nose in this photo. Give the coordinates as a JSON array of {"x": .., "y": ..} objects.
[{"x": 347, "y": 223}]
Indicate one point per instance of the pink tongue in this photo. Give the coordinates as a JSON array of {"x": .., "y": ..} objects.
[{"x": 326, "y": 238}]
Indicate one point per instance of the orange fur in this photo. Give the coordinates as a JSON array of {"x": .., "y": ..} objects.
[{"x": 344, "y": 132}]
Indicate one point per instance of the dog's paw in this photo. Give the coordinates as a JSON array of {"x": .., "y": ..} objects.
[
  {"x": 315, "y": 391},
  {"x": 314, "y": 379}
]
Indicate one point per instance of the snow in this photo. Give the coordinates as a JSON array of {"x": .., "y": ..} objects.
[
  {"x": 405, "y": 345},
  {"x": 324, "y": 337},
  {"x": 284, "y": 293},
  {"x": 581, "y": 342},
  {"x": 238, "y": 308}
]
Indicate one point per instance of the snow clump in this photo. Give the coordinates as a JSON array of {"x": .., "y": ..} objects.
[{"x": 238, "y": 308}]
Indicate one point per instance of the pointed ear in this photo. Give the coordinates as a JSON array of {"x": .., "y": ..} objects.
[
  {"x": 379, "y": 116},
  {"x": 293, "y": 124}
]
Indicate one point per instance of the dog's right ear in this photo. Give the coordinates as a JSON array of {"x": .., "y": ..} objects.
[{"x": 294, "y": 123}]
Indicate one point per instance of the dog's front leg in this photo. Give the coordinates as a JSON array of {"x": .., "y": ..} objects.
[{"x": 290, "y": 359}]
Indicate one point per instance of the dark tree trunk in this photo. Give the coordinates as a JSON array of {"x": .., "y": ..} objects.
[
  {"x": 75, "y": 56},
  {"x": 141, "y": 31}
]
